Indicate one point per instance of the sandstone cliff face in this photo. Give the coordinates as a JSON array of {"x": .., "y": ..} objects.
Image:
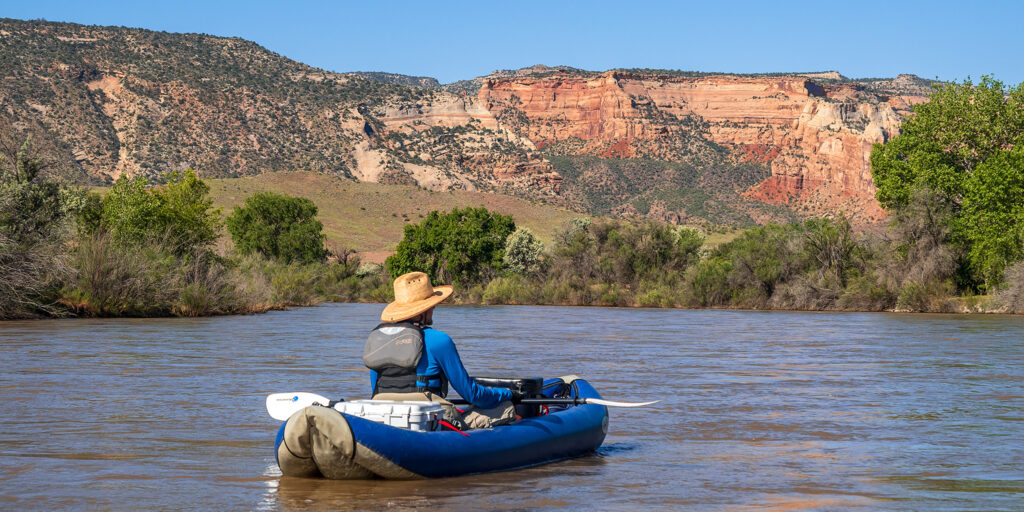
[{"x": 816, "y": 137}]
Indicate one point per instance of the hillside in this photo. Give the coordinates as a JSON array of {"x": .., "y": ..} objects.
[
  {"x": 676, "y": 146},
  {"x": 371, "y": 217}
]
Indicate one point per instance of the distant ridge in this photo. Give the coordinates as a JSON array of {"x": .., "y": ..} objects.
[
  {"x": 398, "y": 79},
  {"x": 678, "y": 146}
]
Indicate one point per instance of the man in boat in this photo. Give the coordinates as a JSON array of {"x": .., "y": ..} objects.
[{"x": 411, "y": 361}]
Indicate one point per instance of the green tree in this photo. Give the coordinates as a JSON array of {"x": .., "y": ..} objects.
[
  {"x": 178, "y": 214},
  {"x": 279, "y": 227},
  {"x": 127, "y": 212},
  {"x": 992, "y": 219},
  {"x": 523, "y": 252},
  {"x": 34, "y": 210},
  {"x": 689, "y": 245},
  {"x": 761, "y": 258},
  {"x": 963, "y": 147},
  {"x": 35, "y": 204},
  {"x": 459, "y": 247},
  {"x": 961, "y": 126},
  {"x": 186, "y": 213}
]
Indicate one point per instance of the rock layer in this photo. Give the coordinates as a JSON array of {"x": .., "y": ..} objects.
[{"x": 816, "y": 137}]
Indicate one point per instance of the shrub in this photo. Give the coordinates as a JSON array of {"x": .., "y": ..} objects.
[
  {"x": 1011, "y": 296},
  {"x": 523, "y": 252},
  {"x": 278, "y": 227},
  {"x": 178, "y": 215},
  {"x": 505, "y": 290},
  {"x": 709, "y": 282},
  {"x": 931, "y": 296},
  {"x": 208, "y": 286},
  {"x": 34, "y": 213},
  {"x": 760, "y": 259},
  {"x": 831, "y": 247},
  {"x": 30, "y": 274},
  {"x": 117, "y": 281},
  {"x": 866, "y": 293},
  {"x": 657, "y": 294},
  {"x": 459, "y": 247},
  {"x": 917, "y": 248}
]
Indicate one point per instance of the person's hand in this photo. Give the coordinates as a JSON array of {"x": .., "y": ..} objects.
[{"x": 517, "y": 396}]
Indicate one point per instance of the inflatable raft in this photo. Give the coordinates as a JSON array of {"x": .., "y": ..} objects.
[{"x": 320, "y": 441}]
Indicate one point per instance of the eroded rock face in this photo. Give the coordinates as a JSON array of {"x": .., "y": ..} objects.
[
  {"x": 816, "y": 137},
  {"x": 116, "y": 101}
]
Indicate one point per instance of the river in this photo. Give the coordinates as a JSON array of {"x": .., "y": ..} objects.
[{"x": 760, "y": 410}]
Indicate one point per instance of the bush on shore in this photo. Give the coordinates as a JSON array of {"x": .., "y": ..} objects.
[
  {"x": 460, "y": 247},
  {"x": 1012, "y": 296},
  {"x": 279, "y": 227},
  {"x": 35, "y": 215}
]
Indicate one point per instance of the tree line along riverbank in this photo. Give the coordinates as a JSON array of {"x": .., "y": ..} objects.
[{"x": 953, "y": 183}]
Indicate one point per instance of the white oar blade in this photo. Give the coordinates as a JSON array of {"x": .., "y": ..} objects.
[
  {"x": 281, "y": 406},
  {"x": 610, "y": 403}
]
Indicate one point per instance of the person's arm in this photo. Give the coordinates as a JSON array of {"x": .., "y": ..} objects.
[{"x": 451, "y": 364}]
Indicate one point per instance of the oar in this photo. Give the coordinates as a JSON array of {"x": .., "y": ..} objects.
[
  {"x": 281, "y": 406},
  {"x": 570, "y": 401}
]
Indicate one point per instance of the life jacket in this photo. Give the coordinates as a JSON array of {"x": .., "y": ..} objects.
[{"x": 394, "y": 351}]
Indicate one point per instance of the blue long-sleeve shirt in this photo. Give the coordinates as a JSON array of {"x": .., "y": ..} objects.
[{"x": 440, "y": 356}]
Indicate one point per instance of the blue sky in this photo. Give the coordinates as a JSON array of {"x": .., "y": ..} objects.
[{"x": 451, "y": 41}]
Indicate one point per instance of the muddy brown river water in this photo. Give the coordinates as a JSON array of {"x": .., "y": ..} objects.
[{"x": 760, "y": 411}]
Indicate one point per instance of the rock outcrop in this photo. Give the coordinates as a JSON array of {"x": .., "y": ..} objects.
[{"x": 816, "y": 134}]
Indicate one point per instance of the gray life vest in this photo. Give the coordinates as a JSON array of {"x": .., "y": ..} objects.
[{"x": 394, "y": 351}]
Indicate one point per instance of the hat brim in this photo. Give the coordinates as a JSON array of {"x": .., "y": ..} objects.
[{"x": 398, "y": 312}]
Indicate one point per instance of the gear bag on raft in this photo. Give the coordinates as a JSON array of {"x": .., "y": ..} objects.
[{"x": 394, "y": 351}]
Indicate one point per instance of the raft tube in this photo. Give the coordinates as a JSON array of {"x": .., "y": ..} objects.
[{"x": 319, "y": 441}]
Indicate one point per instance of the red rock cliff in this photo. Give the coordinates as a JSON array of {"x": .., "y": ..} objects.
[{"x": 816, "y": 135}]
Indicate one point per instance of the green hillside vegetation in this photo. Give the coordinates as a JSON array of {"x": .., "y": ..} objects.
[
  {"x": 705, "y": 192},
  {"x": 148, "y": 251}
]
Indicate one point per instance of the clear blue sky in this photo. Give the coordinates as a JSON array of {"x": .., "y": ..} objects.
[{"x": 451, "y": 41}]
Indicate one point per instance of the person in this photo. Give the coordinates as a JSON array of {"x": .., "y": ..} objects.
[{"x": 409, "y": 360}]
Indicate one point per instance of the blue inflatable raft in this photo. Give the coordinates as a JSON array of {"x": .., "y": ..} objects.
[{"x": 319, "y": 441}]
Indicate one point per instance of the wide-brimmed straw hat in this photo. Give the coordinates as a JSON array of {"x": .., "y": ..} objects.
[{"x": 413, "y": 295}]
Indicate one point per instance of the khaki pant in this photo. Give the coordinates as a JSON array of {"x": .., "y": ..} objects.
[{"x": 503, "y": 414}]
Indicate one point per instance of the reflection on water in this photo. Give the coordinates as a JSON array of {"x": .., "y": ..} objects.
[{"x": 780, "y": 411}]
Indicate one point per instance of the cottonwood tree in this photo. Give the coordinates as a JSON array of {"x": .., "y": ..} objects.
[
  {"x": 279, "y": 227},
  {"x": 179, "y": 215},
  {"x": 965, "y": 147},
  {"x": 458, "y": 247}
]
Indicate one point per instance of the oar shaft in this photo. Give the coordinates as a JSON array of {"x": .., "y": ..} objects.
[
  {"x": 534, "y": 401},
  {"x": 552, "y": 401},
  {"x": 571, "y": 401}
]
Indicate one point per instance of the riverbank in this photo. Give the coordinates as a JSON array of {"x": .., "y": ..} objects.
[
  {"x": 978, "y": 305},
  {"x": 107, "y": 280},
  {"x": 142, "y": 251}
]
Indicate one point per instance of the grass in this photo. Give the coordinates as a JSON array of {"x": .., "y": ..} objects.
[{"x": 370, "y": 217}]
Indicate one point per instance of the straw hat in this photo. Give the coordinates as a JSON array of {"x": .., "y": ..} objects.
[{"x": 413, "y": 295}]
